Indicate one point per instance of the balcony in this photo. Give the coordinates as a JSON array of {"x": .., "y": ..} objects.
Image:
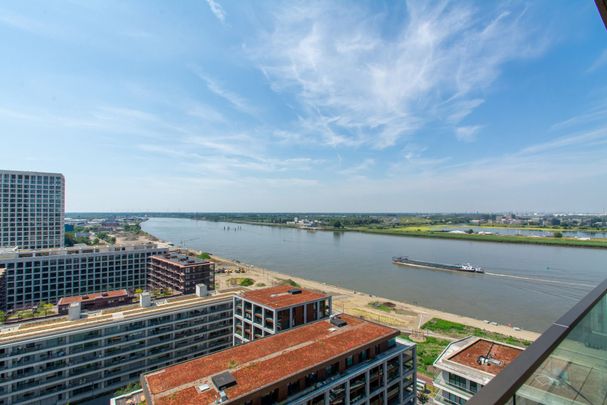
[{"x": 566, "y": 364}]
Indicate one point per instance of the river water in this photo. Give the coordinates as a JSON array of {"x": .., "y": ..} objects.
[{"x": 525, "y": 285}]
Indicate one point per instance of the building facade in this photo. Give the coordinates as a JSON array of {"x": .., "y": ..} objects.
[
  {"x": 324, "y": 362},
  {"x": 467, "y": 365},
  {"x": 180, "y": 273},
  {"x": 69, "y": 361},
  {"x": 32, "y": 208},
  {"x": 264, "y": 312},
  {"x": 50, "y": 274}
]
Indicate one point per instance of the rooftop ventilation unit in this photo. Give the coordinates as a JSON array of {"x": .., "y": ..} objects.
[
  {"x": 85, "y": 297},
  {"x": 488, "y": 361},
  {"x": 295, "y": 291},
  {"x": 340, "y": 323},
  {"x": 223, "y": 380},
  {"x": 223, "y": 397},
  {"x": 104, "y": 294}
]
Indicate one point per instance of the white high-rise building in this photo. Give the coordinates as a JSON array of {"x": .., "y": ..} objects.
[{"x": 32, "y": 209}]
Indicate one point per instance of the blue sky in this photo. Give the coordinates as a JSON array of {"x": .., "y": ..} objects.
[{"x": 312, "y": 106}]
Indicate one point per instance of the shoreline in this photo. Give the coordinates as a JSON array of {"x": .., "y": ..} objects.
[
  {"x": 407, "y": 317},
  {"x": 511, "y": 239}
]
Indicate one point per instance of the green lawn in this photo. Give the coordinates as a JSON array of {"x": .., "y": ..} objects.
[
  {"x": 458, "y": 330},
  {"x": 427, "y": 352}
]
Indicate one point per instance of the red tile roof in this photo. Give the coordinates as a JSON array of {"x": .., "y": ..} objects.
[
  {"x": 262, "y": 362},
  {"x": 279, "y": 296},
  {"x": 92, "y": 297},
  {"x": 470, "y": 354}
]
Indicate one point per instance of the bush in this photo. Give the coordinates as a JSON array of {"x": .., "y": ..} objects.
[
  {"x": 204, "y": 256},
  {"x": 557, "y": 234},
  {"x": 246, "y": 282}
]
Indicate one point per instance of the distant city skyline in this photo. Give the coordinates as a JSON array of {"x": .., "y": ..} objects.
[{"x": 222, "y": 106}]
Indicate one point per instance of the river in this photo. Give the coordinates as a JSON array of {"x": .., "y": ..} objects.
[{"x": 528, "y": 286}]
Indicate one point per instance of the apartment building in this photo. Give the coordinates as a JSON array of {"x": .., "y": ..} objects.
[
  {"x": 336, "y": 361},
  {"x": 47, "y": 275},
  {"x": 467, "y": 365},
  {"x": 32, "y": 208},
  {"x": 264, "y": 312},
  {"x": 180, "y": 273},
  {"x": 58, "y": 360}
]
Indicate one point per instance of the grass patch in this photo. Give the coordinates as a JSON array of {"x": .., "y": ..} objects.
[
  {"x": 459, "y": 330},
  {"x": 382, "y": 306},
  {"x": 204, "y": 256},
  {"x": 246, "y": 282},
  {"x": 428, "y": 351},
  {"x": 240, "y": 281},
  {"x": 290, "y": 282}
]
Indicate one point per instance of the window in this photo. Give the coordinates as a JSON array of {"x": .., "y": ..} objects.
[
  {"x": 473, "y": 387},
  {"x": 457, "y": 381}
]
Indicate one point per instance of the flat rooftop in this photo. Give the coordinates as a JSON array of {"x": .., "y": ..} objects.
[
  {"x": 10, "y": 333},
  {"x": 263, "y": 362},
  {"x": 93, "y": 297},
  {"x": 280, "y": 297},
  {"x": 465, "y": 357},
  {"x": 29, "y": 253},
  {"x": 180, "y": 259}
]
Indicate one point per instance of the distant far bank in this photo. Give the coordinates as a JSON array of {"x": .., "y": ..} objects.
[
  {"x": 568, "y": 230},
  {"x": 474, "y": 237}
]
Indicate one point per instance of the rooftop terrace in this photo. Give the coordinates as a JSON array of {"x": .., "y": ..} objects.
[
  {"x": 93, "y": 297},
  {"x": 180, "y": 259},
  {"x": 60, "y": 324},
  {"x": 27, "y": 253},
  {"x": 282, "y": 296},
  {"x": 261, "y": 363}
]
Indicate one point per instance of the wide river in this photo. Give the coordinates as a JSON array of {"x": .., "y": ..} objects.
[{"x": 525, "y": 285}]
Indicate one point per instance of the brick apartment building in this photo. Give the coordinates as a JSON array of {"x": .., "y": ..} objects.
[{"x": 180, "y": 273}]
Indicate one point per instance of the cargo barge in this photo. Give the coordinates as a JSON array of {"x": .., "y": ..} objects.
[{"x": 466, "y": 267}]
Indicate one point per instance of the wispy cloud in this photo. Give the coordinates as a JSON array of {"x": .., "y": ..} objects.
[
  {"x": 217, "y": 88},
  {"x": 359, "y": 168},
  {"x": 357, "y": 85},
  {"x": 23, "y": 23},
  {"x": 467, "y": 133},
  {"x": 599, "y": 62},
  {"x": 217, "y": 10}
]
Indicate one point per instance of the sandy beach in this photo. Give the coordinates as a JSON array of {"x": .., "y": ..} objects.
[{"x": 406, "y": 317}]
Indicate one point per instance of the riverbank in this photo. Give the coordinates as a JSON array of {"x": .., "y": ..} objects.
[
  {"x": 401, "y": 315},
  {"x": 427, "y": 232}
]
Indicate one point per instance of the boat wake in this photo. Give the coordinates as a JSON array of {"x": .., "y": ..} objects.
[{"x": 540, "y": 280}]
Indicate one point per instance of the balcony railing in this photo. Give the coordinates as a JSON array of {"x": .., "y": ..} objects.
[{"x": 566, "y": 364}]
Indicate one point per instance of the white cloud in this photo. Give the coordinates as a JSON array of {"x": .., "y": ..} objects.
[
  {"x": 467, "y": 133},
  {"x": 217, "y": 10},
  {"x": 357, "y": 84}
]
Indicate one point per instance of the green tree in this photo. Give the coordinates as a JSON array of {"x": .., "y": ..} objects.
[
  {"x": 469, "y": 231},
  {"x": 138, "y": 291},
  {"x": 337, "y": 224},
  {"x": 557, "y": 234},
  {"x": 2, "y": 317},
  {"x": 204, "y": 256}
]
